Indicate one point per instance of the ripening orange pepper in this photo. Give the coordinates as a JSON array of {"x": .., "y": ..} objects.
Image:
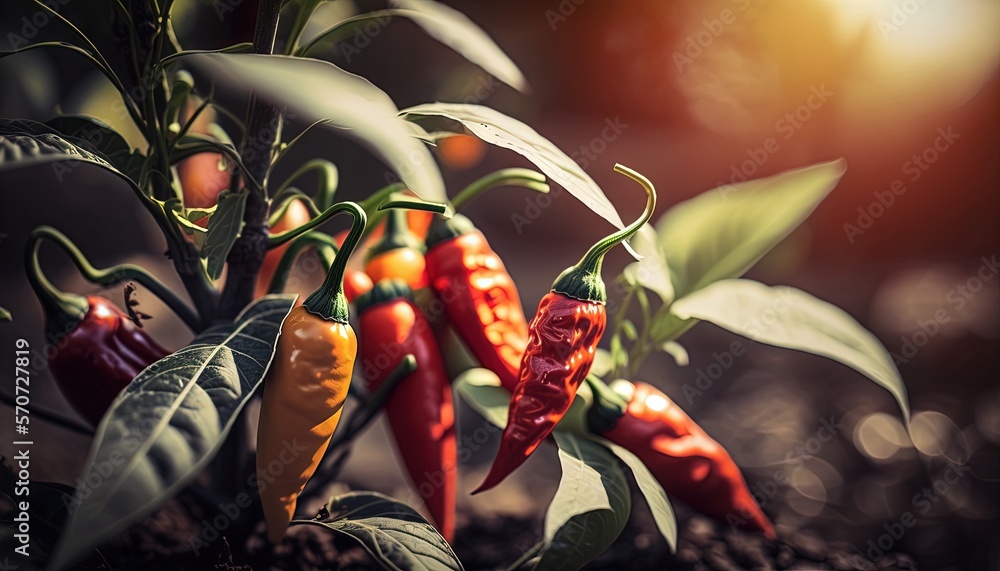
[
  {"x": 305, "y": 389},
  {"x": 399, "y": 254}
]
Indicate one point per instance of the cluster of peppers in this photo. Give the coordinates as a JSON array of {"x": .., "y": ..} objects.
[{"x": 542, "y": 363}]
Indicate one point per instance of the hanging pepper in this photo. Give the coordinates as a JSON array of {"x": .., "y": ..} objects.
[
  {"x": 398, "y": 254},
  {"x": 562, "y": 341},
  {"x": 306, "y": 387},
  {"x": 420, "y": 408},
  {"x": 96, "y": 348},
  {"x": 686, "y": 461},
  {"x": 479, "y": 297}
]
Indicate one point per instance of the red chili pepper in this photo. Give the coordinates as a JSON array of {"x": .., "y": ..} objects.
[
  {"x": 420, "y": 408},
  {"x": 479, "y": 297},
  {"x": 562, "y": 341},
  {"x": 398, "y": 255},
  {"x": 96, "y": 348},
  {"x": 683, "y": 458}
]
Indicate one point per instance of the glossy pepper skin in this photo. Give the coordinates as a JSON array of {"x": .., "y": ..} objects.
[
  {"x": 99, "y": 357},
  {"x": 562, "y": 342},
  {"x": 688, "y": 463},
  {"x": 305, "y": 389},
  {"x": 399, "y": 254},
  {"x": 480, "y": 299},
  {"x": 419, "y": 409}
]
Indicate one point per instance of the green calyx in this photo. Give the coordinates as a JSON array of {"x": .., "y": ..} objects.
[
  {"x": 329, "y": 301},
  {"x": 397, "y": 235},
  {"x": 385, "y": 290},
  {"x": 607, "y": 408},
  {"x": 583, "y": 281},
  {"x": 442, "y": 229}
]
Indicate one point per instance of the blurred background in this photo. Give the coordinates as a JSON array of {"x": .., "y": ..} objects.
[{"x": 694, "y": 94}]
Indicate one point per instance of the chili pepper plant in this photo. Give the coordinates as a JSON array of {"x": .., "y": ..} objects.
[{"x": 421, "y": 296}]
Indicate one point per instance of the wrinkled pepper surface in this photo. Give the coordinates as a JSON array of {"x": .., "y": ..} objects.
[
  {"x": 419, "y": 409},
  {"x": 687, "y": 462},
  {"x": 479, "y": 297},
  {"x": 562, "y": 342}
]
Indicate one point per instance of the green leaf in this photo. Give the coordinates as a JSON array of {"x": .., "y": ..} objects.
[
  {"x": 503, "y": 131},
  {"x": 224, "y": 228},
  {"x": 5, "y": 316},
  {"x": 316, "y": 90},
  {"x": 590, "y": 508},
  {"x": 677, "y": 351},
  {"x": 791, "y": 318},
  {"x": 166, "y": 426},
  {"x": 481, "y": 389},
  {"x": 391, "y": 532},
  {"x": 651, "y": 271},
  {"x": 721, "y": 233},
  {"x": 455, "y": 30},
  {"x": 603, "y": 363},
  {"x": 656, "y": 497},
  {"x": 100, "y": 136},
  {"x": 25, "y": 143}
]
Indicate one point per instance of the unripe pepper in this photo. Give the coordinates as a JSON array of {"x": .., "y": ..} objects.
[
  {"x": 399, "y": 254},
  {"x": 97, "y": 349},
  {"x": 419, "y": 409},
  {"x": 305, "y": 388},
  {"x": 686, "y": 461},
  {"x": 479, "y": 297},
  {"x": 562, "y": 341}
]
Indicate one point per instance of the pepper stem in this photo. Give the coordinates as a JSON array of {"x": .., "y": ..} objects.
[
  {"x": 397, "y": 235},
  {"x": 325, "y": 246},
  {"x": 583, "y": 281},
  {"x": 607, "y": 408},
  {"x": 504, "y": 177},
  {"x": 329, "y": 301},
  {"x": 62, "y": 308}
]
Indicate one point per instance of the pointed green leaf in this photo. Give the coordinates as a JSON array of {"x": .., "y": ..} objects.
[
  {"x": 656, "y": 497},
  {"x": 721, "y": 233},
  {"x": 391, "y": 532},
  {"x": 677, "y": 351},
  {"x": 651, "y": 271},
  {"x": 590, "y": 508},
  {"x": 788, "y": 317},
  {"x": 503, "y": 131},
  {"x": 455, "y": 30},
  {"x": 101, "y": 137},
  {"x": 169, "y": 422},
  {"x": 224, "y": 228},
  {"x": 315, "y": 90},
  {"x": 481, "y": 389}
]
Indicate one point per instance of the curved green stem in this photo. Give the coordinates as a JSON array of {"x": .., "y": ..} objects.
[
  {"x": 105, "y": 277},
  {"x": 512, "y": 177},
  {"x": 592, "y": 260},
  {"x": 328, "y": 301},
  {"x": 328, "y": 180},
  {"x": 583, "y": 281},
  {"x": 301, "y": 19},
  {"x": 325, "y": 246},
  {"x": 292, "y": 195}
]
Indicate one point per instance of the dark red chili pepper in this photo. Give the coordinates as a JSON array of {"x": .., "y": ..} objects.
[
  {"x": 420, "y": 408},
  {"x": 562, "y": 341},
  {"x": 479, "y": 297},
  {"x": 96, "y": 348},
  {"x": 687, "y": 462}
]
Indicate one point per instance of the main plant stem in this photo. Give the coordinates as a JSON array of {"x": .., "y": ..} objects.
[{"x": 263, "y": 128}]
